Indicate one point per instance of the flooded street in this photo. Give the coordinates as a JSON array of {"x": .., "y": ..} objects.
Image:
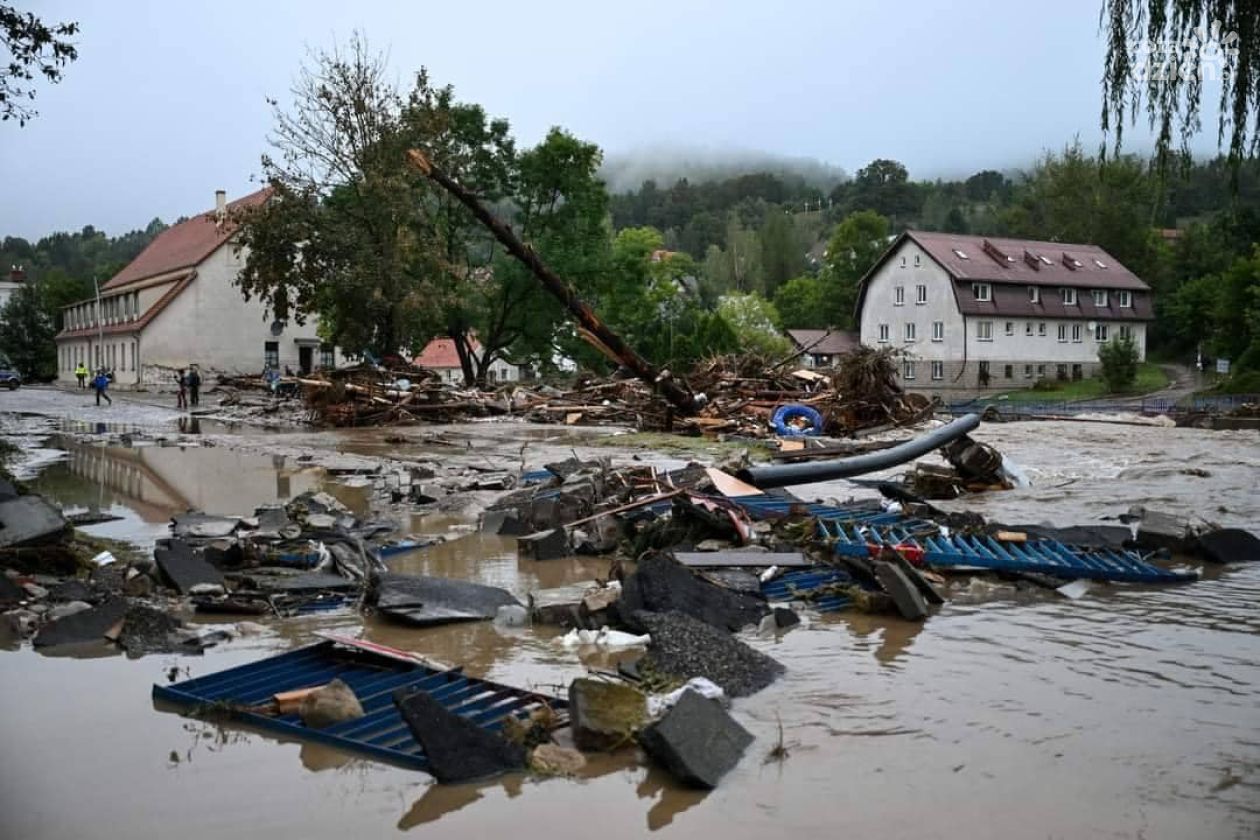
[{"x": 1134, "y": 712}]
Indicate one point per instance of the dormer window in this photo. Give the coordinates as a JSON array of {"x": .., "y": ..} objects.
[
  {"x": 1069, "y": 296},
  {"x": 1126, "y": 300},
  {"x": 1100, "y": 297},
  {"x": 982, "y": 291},
  {"x": 1034, "y": 294}
]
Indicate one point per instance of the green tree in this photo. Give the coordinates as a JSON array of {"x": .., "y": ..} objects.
[
  {"x": 802, "y": 303},
  {"x": 27, "y": 334},
  {"x": 883, "y": 186},
  {"x": 755, "y": 323},
  {"x": 853, "y": 248},
  {"x": 34, "y": 48},
  {"x": 1119, "y": 359},
  {"x": 782, "y": 254}
]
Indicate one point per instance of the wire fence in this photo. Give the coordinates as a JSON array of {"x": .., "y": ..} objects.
[{"x": 1137, "y": 405}]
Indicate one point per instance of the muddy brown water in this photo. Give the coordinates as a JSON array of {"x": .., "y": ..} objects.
[{"x": 1134, "y": 712}]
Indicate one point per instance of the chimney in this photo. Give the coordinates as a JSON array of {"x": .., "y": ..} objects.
[
  {"x": 17, "y": 274},
  {"x": 220, "y": 204}
]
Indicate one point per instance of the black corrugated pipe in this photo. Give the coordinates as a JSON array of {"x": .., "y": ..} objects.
[{"x": 786, "y": 475}]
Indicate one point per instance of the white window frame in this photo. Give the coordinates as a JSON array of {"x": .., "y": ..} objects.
[
  {"x": 1100, "y": 297},
  {"x": 984, "y": 330},
  {"x": 1010, "y": 328},
  {"x": 1124, "y": 331},
  {"x": 883, "y": 333},
  {"x": 1126, "y": 299},
  {"x": 903, "y": 261},
  {"x": 1069, "y": 296},
  {"x": 938, "y": 371},
  {"x": 911, "y": 332},
  {"x": 938, "y": 330},
  {"x": 1041, "y": 329},
  {"x": 1063, "y": 333},
  {"x": 899, "y": 296},
  {"x": 1028, "y": 328},
  {"x": 1041, "y": 371},
  {"x": 907, "y": 371},
  {"x": 1034, "y": 294},
  {"x": 917, "y": 260},
  {"x": 983, "y": 292},
  {"x": 1101, "y": 333},
  {"x": 1028, "y": 371},
  {"x": 1076, "y": 333},
  {"x": 920, "y": 295}
]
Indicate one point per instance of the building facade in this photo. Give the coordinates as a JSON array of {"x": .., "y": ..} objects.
[
  {"x": 177, "y": 304},
  {"x": 975, "y": 312},
  {"x": 10, "y": 283},
  {"x": 441, "y": 357},
  {"x": 822, "y": 348}
]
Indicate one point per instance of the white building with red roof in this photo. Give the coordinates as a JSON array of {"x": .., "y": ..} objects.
[
  {"x": 177, "y": 304},
  {"x": 975, "y": 312},
  {"x": 440, "y": 356}
]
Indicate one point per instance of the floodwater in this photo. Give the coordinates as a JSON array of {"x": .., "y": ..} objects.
[{"x": 1134, "y": 712}]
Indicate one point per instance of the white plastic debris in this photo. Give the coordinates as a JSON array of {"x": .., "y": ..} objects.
[
  {"x": 660, "y": 703},
  {"x": 603, "y": 637},
  {"x": 1074, "y": 590},
  {"x": 104, "y": 559},
  {"x": 1012, "y": 472},
  {"x": 769, "y": 574}
]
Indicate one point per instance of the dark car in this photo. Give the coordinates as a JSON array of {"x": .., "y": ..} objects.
[{"x": 10, "y": 379}]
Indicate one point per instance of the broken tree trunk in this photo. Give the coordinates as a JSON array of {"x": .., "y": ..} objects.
[{"x": 678, "y": 396}]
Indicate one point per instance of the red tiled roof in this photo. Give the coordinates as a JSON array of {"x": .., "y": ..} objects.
[
  {"x": 1026, "y": 261},
  {"x": 440, "y": 354},
  {"x": 140, "y": 323},
  {"x": 824, "y": 342},
  {"x": 183, "y": 245}
]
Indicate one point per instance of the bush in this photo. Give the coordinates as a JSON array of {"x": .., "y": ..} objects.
[
  {"x": 1241, "y": 382},
  {"x": 1119, "y": 359}
]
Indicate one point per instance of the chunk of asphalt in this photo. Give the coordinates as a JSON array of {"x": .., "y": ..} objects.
[
  {"x": 686, "y": 647},
  {"x": 925, "y": 587},
  {"x": 661, "y": 585},
  {"x": 1229, "y": 545},
  {"x": 545, "y": 545},
  {"x": 10, "y": 592},
  {"x": 696, "y": 741},
  {"x": 604, "y": 715},
  {"x": 424, "y": 600},
  {"x": 29, "y": 520},
  {"x": 907, "y": 598},
  {"x": 458, "y": 749},
  {"x": 183, "y": 567},
  {"x": 87, "y": 626}
]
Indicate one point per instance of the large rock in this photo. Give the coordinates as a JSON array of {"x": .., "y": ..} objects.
[
  {"x": 604, "y": 715},
  {"x": 696, "y": 741},
  {"x": 1229, "y": 545},
  {"x": 685, "y": 647},
  {"x": 333, "y": 703},
  {"x": 184, "y": 568},
  {"x": 424, "y": 600},
  {"x": 901, "y": 589},
  {"x": 30, "y": 520},
  {"x": 458, "y": 749},
  {"x": 662, "y": 585},
  {"x": 87, "y": 626},
  {"x": 1156, "y": 530}
]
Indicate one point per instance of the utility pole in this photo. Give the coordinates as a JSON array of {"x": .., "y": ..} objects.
[{"x": 100, "y": 325}]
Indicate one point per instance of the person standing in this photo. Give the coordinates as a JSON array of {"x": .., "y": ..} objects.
[
  {"x": 194, "y": 386},
  {"x": 181, "y": 380},
  {"x": 100, "y": 383},
  {"x": 81, "y": 373}
]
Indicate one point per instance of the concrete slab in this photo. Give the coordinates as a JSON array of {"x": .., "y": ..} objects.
[
  {"x": 87, "y": 626},
  {"x": 458, "y": 749},
  {"x": 183, "y": 568},
  {"x": 30, "y": 520},
  {"x": 423, "y": 600},
  {"x": 696, "y": 741}
]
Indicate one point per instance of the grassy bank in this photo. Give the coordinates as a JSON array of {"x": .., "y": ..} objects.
[{"x": 1149, "y": 378}]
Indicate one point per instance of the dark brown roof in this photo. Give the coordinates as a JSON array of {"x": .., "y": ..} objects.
[
  {"x": 824, "y": 342},
  {"x": 1013, "y": 302},
  {"x": 1026, "y": 261},
  {"x": 183, "y": 245}
]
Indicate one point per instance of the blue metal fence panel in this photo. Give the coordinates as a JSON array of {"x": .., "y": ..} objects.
[{"x": 805, "y": 585}]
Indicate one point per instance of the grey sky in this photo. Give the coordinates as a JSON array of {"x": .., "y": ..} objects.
[{"x": 166, "y": 102}]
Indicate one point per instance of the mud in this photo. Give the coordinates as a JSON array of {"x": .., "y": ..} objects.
[{"x": 1132, "y": 712}]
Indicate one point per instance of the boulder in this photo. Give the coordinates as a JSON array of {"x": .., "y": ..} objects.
[
  {"x": 604, "y": 715},
  {"x": 686, "y": 647},
  {"x": 333, "y": 703},
  {"x": 458, "y": 749},
  {"x": 660, "y": 585},
  {"x": 696, "y": 741},
  {"x": 554, "y": 760},
  {"x": 1229, "y": 545}
]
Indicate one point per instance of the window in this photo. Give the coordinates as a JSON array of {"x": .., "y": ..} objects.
[
  {"x": 916, "y": 260},
  {"x": 1028, "y": 371},
  {"x": 899, "y": 296},
  {"x": 1101, "y": 332},
  {"x": 1009, "y": 371},
  {"x": 1100, "y": 263},
  {"x": 1010, "y": 328},
  {"x": 984, "y": 331},
  {"x": 1041, "y": 371},
  {"x": 1063, "y": 333},
  {"x": 1100, "y": 297},
  {"x": 1028, "y": 328},
  {"x": 1034, "y": 294},
  {"x": 1069, "y": 297},
  {"x": 1126, "y": 300},
  {"x": 1041, "y": 328},
  {"x": 883, "y": 333},
  {"x": 962, "y": 255},
  {"x": 920, "y": 295},
  {"x": 1124, "y": 331},
  {"x": 326, "y": 359},
  {"x": 982, "y": 291},
  {"x": 911, "y": 331},
  {"x": 908, "y": 370},
  {"x": 1076, "y": 333},
  {"x": 1060, "y": 372},
  {"x": 938, "y": 330},
  {"x": 938, "y": 370},
  {"x": 271, "y": 354},
  {"x": 903, "y": 262}
]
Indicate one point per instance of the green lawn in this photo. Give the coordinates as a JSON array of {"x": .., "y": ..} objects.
[{"x": 1149, "y": 378}]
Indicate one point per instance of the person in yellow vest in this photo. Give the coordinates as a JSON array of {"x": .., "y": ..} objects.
[{"x": 81, "y": 373}]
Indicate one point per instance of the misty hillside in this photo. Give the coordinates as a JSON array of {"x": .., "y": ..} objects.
[{"x": 627, "y": 172}]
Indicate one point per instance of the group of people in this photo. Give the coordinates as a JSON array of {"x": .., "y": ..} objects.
[{"x": 187, "y": 380}]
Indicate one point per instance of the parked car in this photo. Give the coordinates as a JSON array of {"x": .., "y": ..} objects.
[{"x": 10, "y": 379}]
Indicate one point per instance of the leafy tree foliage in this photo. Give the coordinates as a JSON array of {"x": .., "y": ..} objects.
[
  {"x": 1119, "y": 361},
  {"x": 27, "y": 333},
  {"x": 755, "y": 323},
  {"x": 802, "y": 303},
  {"x": 853, "y": 248},
  {"x": 34, "y": 48}
]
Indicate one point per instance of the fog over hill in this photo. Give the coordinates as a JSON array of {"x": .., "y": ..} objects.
[{"x": 627, "y": 171}]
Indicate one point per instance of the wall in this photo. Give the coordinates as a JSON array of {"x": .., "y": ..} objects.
[{"x": 879, "y": 307}]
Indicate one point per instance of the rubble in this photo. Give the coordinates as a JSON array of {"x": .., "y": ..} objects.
[
  {"x": 423, "y": 600},
  {"x": 604, "y": 715},
  {"x": 87, "y": 626},
  {"x": 1228, "y": 545},
  {"x": 661, "y": 585},
  {"x": 29, "y": 520},
  {"x": 686, "y": 647},
  {"x": 696, "y": 741},
  {"x": 457, "y": 749}
]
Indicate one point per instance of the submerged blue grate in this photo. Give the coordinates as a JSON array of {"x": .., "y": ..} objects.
[
  {"x": 800, "y": 584},
  {"x": 381, "y": 733}
]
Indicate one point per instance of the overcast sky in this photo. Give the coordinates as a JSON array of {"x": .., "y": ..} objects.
[{"x": 167, "y": 100}]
